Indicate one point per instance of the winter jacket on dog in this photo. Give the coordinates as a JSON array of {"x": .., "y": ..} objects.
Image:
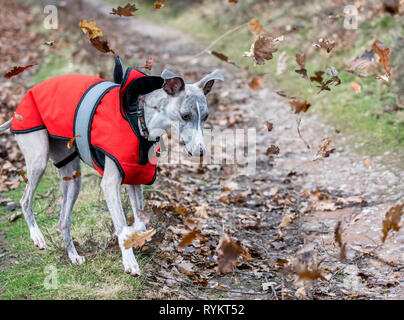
[{"x": 56, "y": 105}]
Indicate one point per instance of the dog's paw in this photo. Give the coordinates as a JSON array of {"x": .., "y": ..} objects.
[
  {"x": 37, "y": 237},
  {"x": 76, "y": 259},
  {"x": 130, "y": 264}
]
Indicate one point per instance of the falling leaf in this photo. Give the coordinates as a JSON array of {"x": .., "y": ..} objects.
[
  {"x": 262, "y": 49},
  {"x": 356, "y": 87},
  {"x": 149, "y": 63},
  {"x": 325, "y": 44},
  {"x": 335, "y": 80},
  {"x": 71, "y": 141},
  {"x": 392, "y": 220},
  {"x": 391, "y": 6},
  {"x": 255, "y": 83},
  {"x": 233, "y": 1},
  {"x": 338, "y": 240},
  {"x": 138, "y": 240},
  {"x": 299, "y": 105},
  {"x": 272, "y": 150},
  {"x": 16, "y": 70},
  {"x": 368, "y": 163},
  {"x": 286, "y": 220},
  {"x": 126, "y": 11},
  {"x": 49, "y": 43},
  {"x": 384, "y": 56},
  {"x": 229, "y": 253},
  {"x": 318, "y": 77},
  {"x": 269, "y": 125},
  {"x": 324, "y": 149},
  {"x": 67, "y": 178},
  {"x": 91, "y": 29},
  {"x": 187, "y": 239},
  {"x": 365, "y": 65},
  {"x": 256, "y": 28},
  {"x": 101, "y": 45},
  {"x": 159, "y": 4}
]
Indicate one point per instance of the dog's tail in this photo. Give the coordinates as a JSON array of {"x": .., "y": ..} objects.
[{"x": 5, "y": 126}]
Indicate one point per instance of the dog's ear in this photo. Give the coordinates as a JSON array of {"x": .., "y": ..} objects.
[
  {"x": 173, "y": 84},
  {"x": 118, "y": 70},
  {"x": 206, "y": 83}
]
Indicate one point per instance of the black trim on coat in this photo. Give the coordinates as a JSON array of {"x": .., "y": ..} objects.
[
  {"x": 102, "y": 166},
  {"x": 28, "y": 130}
]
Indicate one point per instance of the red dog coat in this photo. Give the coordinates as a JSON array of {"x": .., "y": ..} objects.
[{"x": 113, "y": 124}]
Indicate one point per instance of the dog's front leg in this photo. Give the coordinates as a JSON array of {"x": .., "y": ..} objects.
[
  {"x": 110, "y": 184},
  {"x": 136, "y": 201}
]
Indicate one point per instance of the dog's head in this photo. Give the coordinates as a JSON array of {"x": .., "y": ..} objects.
[{"x": 187, "y": 108}]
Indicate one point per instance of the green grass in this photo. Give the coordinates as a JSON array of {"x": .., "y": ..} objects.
[
  {"x": 24, "y": 268},
  {"x": 364, "y": 116}
]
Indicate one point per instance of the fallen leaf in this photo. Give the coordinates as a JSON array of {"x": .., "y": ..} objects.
[
  {"x": 22, "y": 174},
  {"x": 392, "y": 220},
  {"x": 188, "y": 238},
  {"x": 149, "y": 63},
  {"x": 272, "y": 150},
  {"x": 255, "y": 83},
  {"x": 126, "y": 11},
  {"x": 186, "y": 268},
  {"x": 16, "y": 70},
  {"x": 138, "y": 240},
  {"x": 225, "y": 198},
  {"x": 262, "y": 49},
  {"x": 338, "y": 240},
  {"x": 202, "y": 211}
]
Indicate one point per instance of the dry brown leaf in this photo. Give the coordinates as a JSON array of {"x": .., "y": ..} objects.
[
  {"x": 318, "y": 77},
  {"x": 159, "y": 4},
  {"x": 368, "y": 163},
  {"x": 101, "y": 45},
  {"x": 126, "y": 11},
  {"x": 229, "y": 253},
  {"x": 186, "y": 268},
  {"x": 392, "y": 220},
  {"x": 269, "y": 125},
  {"x": 90, "y": 28},
  {"x": 67, "y": 178},
  {"x": 356, "y": 87},
  {"x": 299, "y": 105},
  {"x": 22, "y": 174},
  {"x": 255, "y": 27},
  {"x": 391, "y": 6},
  {"x": 365, "y": 65},
  {"x": 262, "y": 48},
  {"x": 325, "y": 44},
  {"x": 181, "y": 210},
  {"x": 71, "y": 141},
  {"x": 272, "y": 150},
  {"x": 233, "y": 1},
  {"x": 255, "y": 83},
  {"x": 187, "y": 239},
  {"x": 324, "y": 149},
  {"x": 16, "y": 70},
  {"x": 202, "y": 211},
  {"x": 138, "y": 240},
  {"x": 384, "y": 56},
  {"x": 76, "y": 174},
  {"x": 338, "y": 240},
  {"x": 225, "y": 198}
]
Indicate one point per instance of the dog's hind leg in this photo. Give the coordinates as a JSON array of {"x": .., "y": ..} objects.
[
  {"x": 136, "y": 201},
  {"x": 71, "y": 189},
  {"x": 35, "y": 148}
]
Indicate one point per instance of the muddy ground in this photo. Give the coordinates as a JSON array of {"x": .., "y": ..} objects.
[{"x": 315, "y": 195}]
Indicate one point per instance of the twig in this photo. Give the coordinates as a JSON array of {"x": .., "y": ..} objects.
[{"x": 298, "y": 121}]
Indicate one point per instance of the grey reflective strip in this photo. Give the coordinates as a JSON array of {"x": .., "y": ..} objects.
[{"x": 85, "y": 108}]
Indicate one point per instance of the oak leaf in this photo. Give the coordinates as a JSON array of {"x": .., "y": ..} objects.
[
  {"x": 139, "y": 239},
  {"x": 229, "y": 253},
  {"x": 126, "y": 11},
  {"x": 392, "y": 220},
  {"x": 255, "y": 27},
  {"x": 187, "y": 239},
  {"x": 159, "y": 4},
  {"x": 262, "y": 48},
  {"x": 90, "y": 28},
  {"x": 16, "y": 70}
]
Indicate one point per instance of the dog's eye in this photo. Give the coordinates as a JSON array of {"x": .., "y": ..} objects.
[{"x": 186, "y": 116}]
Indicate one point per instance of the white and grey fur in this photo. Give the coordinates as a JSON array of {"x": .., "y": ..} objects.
[{"x": 179, "y": 104}]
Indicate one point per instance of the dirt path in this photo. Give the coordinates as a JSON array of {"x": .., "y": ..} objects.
[
  {"x": 283, "y": 187},
  {"x": 275, "y": 190}
]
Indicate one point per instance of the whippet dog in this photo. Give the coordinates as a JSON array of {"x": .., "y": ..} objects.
[{"x": 176, "y": 104}]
